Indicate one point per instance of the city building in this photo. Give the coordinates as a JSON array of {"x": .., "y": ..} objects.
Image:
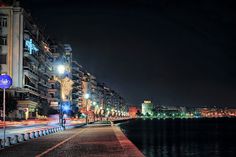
[
  {"x": 133, "y": 110},
  {"x": 147, "y": 107},
  {"x": 30, "y": 58},
  {"x": 77, "y": 92},
  {"x": 26, "y": 57}
]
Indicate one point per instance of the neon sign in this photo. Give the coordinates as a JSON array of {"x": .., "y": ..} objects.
[{"x": 31, "y": 47}]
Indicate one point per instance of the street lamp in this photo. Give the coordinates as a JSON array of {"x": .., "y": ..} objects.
[
  {"x": 66, "y": 87},
  {"x": 86, "y": 96},
  {"x": 94, "y": 104},
  {"x": 61, "y": 69}
]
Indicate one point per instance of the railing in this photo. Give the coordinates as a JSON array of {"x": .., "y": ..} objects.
[
  {"x": 29, "y": 69},
  {"x": 52, "y": 90}
]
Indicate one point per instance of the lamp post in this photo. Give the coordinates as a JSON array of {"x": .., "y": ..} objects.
[
  {"x": 86, "y": 96},
  {"x": 94, "y": 104},
  {"x": 61, "y": 71}
]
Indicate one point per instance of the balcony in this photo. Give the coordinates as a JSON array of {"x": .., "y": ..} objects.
[
  {"x": 32, "y": 57},
  {"x": 52, "y": 90},
  {"x": 77, "y": 81},
  {"x": 30, "y": 73},
  {"x": 52, "y": 81},
  {"x": 53, "y": 99},
  {"x": 31, "y": 90},
  {"x": 76, "y": 68}
]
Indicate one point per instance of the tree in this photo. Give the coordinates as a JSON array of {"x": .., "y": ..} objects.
[
  {"x": 147, "y": 114},
  {"x": 139, "y": 114}
]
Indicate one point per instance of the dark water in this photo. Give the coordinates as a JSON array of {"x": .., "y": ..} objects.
[{"x": 183, "y": 137}]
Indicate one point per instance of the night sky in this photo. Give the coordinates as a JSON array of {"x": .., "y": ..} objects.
[{"x": 174, "y": 53}]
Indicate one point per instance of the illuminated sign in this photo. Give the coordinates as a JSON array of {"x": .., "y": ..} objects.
[
  {"x": 147, "y": 102},
  {"x": 5, "y": 81},
  {"x": 30, "y": 45}
]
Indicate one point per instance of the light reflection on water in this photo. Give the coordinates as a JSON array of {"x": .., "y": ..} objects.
[{"x": 183, "y": 138}]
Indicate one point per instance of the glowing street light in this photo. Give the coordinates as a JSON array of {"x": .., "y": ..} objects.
[
  {"x": 66, "y": 108},
  {"x": 86, "y": 96},
  {"x": 94, "y": 103},
  {"x": 61, "y": 69}
]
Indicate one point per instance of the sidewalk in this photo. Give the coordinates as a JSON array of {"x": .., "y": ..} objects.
[
  {"x": 97, "y": 140},
  {"x": 93, "y": 140}
]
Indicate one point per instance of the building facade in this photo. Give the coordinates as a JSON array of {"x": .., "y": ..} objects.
[
  {"x": 77, "y": 92},
  {"x": 29, "y": 57},
  {"x": 147, "y": 107}
]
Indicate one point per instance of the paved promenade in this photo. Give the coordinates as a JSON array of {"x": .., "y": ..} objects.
[{"x": 93, "y": 140}]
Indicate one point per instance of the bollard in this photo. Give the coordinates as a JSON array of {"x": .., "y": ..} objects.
[
  {"x": 23, "y": 137},
  {"x": 38, "y": 133},
  {"x": 1, "y": 145},
  {"x": 29, "y": 136},
  {"x": 41, "y": 132},
  {"x": 9, "y": 141},
  {"x": 17, "y": 138},
  {"x": 33, "y": 135}
]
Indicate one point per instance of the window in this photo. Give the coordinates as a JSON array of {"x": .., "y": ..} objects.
[
  {"x": 3, "y": 40},
  {"x": 3, "y": 59},
  {"x": 3, "y": 21}
]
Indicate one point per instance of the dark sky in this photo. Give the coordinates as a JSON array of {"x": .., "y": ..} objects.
[{"x": 172, "y": 52}]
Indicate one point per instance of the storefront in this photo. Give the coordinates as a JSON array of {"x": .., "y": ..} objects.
[{"x": 27, "y": 109}]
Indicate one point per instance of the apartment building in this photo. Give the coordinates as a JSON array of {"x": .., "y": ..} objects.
[{"x": 30, "y": 57}]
